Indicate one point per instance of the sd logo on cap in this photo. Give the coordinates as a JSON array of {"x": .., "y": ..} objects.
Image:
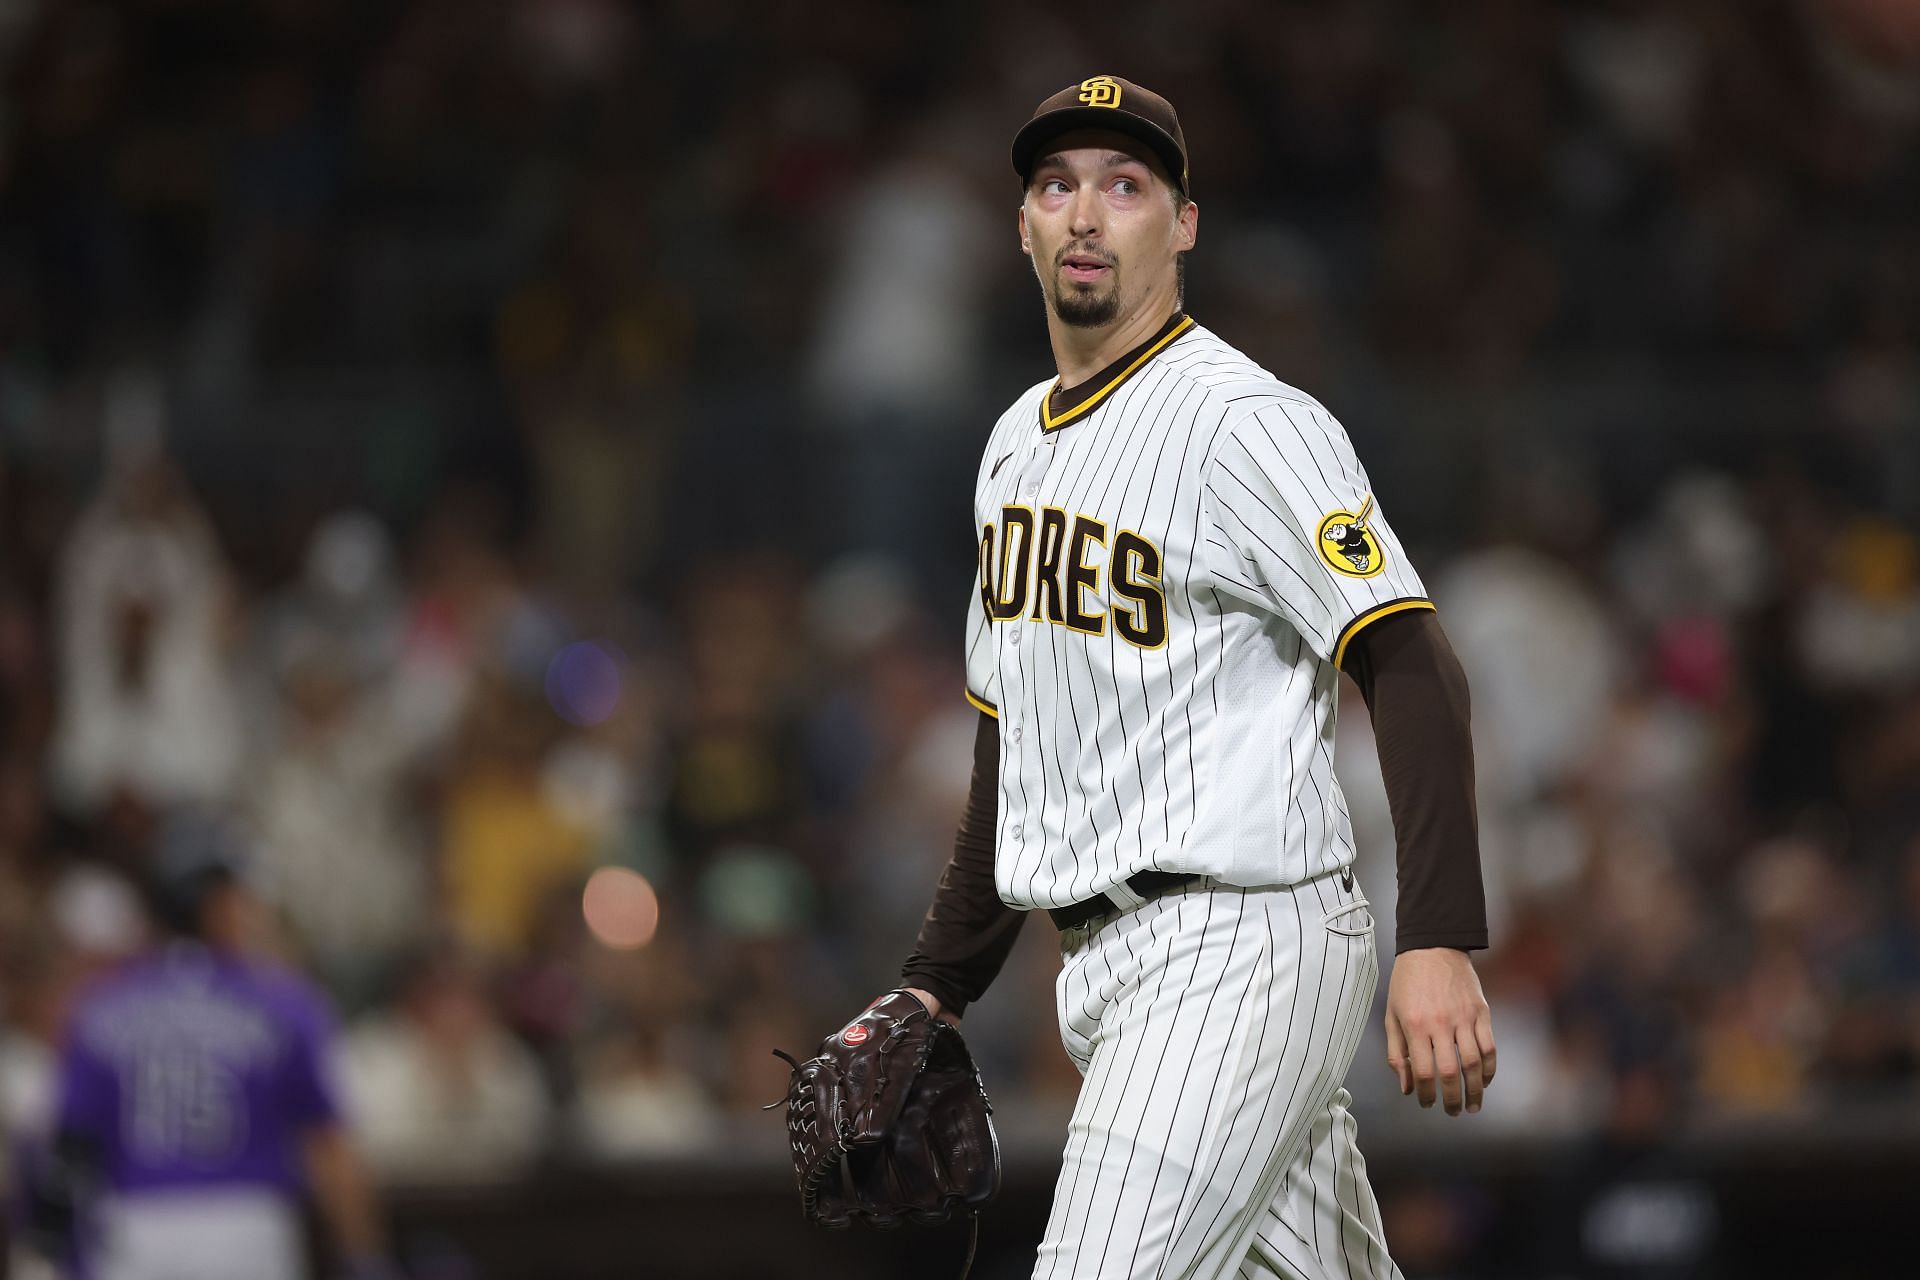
[{"x": 1100, "y": 91}]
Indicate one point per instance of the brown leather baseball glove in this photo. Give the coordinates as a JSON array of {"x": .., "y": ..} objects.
[{"x": 889, "y": 1122}]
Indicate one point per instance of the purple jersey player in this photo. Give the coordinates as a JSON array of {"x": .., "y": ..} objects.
[{"x": 196, "y": 1105}]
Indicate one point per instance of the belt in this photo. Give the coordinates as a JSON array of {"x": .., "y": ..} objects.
[{"x": 1147, "y": 884}]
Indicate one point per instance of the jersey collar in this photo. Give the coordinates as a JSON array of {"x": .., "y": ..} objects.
[{"x": 1058, "y": 408}]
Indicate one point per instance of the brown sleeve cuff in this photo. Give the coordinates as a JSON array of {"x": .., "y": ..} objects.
[
  {"x": 968, "y": 930},
  {"x": 1459, "y": 940},
  {"x": 1417, "y": 694}
]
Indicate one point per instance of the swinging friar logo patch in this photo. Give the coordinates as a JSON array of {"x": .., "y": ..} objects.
[{"x": 1347, "y": 544}]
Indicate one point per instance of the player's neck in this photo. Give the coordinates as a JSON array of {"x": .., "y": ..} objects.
[{"x": 1079, "y": 353}]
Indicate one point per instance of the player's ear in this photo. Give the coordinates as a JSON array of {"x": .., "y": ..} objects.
[
  {"x": 1186, "y": 231},
  {"x": 1026, "y": 240}
]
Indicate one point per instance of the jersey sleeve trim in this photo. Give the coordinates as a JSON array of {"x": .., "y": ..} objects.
[
  {"x": 1371, "y": 616},
  {"x": 986, "y": 706}
]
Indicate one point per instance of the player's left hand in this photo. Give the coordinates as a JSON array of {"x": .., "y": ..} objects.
[{"x": 1439, "y": 1029}]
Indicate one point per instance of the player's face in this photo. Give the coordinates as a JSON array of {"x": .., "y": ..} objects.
[{"x": 1101, "y": 226}]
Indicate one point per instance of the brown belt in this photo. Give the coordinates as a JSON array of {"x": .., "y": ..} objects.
[{"x": 1148, "y": 884}]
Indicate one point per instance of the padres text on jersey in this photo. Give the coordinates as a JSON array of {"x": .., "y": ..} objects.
[{"x": 1170, "y": 572}]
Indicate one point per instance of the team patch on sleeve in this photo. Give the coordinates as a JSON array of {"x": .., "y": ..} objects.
[{"x": 1346, "y": 543}]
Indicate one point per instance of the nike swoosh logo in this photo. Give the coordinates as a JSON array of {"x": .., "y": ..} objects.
[{"x": 996, "y": 467}]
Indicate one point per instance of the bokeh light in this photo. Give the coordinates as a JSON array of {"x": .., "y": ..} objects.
[
  {"x": 621, "y": 909},
  {"x": 583, "y": 683}
]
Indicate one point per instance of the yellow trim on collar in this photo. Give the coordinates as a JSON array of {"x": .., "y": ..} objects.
[
  {"x": 982, "y": 704},
  {"x": 1370, "y": 617},
  {"x": 1049, "y": 422}
]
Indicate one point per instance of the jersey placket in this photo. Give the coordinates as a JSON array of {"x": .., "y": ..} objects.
[{"x": 1016, "y": 657}]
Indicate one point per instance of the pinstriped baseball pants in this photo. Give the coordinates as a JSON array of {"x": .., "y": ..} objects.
[{"x": 1212, "y": 1138}]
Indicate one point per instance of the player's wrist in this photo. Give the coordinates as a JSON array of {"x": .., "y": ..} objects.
[
  {"x": 925, "y": 997},
  {"x": 1465, "y": 941},
  {"x": 1441, "y": 959}
]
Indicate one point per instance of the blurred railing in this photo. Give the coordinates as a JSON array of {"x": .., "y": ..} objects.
[
  {"x": 1811, "y": 1200},
  {"x": 1814, "y": 1199}
]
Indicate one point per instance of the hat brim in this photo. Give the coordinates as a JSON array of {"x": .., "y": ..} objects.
[{"x": 1032, "y": 140}]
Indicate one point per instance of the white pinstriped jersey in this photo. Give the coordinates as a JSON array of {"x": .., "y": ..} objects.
[{"x": 1170, "y": 573}]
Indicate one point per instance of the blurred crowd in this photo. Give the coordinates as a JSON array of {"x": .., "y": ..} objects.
[{"x": 481, "y": 445}]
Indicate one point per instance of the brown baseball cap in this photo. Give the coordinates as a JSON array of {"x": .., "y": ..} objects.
[{"x": 1105, "y": 102}]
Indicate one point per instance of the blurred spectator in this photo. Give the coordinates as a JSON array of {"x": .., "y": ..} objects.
[
  {"x": 646, "y": 1083},
  {"x": 329, "y": 788},
  {"x": 93, "y": 924},
  {"x": 442, "y": 1093},
  {"x": 30, "y": 1003},
  {"x": 635, "y": 1101},
  {"x": 901, "y": 331},
  {"x": 195, "y": 1103},
  {"x": 147, "y": 703},
  {"x": 507, "y": 839}
]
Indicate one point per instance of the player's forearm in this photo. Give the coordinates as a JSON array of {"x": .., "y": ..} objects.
[
  {"x": 968, "y": 930},
  {"x": 343, "y": 1193},
  {"x": 1417, "y": 693}
]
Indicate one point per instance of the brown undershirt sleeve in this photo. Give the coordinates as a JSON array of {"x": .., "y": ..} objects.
[
  {"x": 968, "y": 931},
  {"x": 1417, "y": 694}
]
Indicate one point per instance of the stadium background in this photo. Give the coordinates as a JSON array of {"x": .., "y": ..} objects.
[{"x": 479, "y": 442}]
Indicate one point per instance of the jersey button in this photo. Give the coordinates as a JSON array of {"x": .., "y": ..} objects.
[
  {"x": 1018, "y": 733},
  {"x": 1013, "y": 635},
  {"x": 1014, "y": 831}
]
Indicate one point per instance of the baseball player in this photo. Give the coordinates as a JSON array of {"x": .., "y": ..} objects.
[
  {"x": 195, "y": 1105},
  {"x": 1179, "y": 555}
]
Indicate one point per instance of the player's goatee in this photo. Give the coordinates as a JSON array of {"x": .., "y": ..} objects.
[{"x": 1087, "y": 310}]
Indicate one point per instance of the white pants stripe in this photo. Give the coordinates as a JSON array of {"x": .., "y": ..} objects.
[{"x": 1211, "y": 1138}]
